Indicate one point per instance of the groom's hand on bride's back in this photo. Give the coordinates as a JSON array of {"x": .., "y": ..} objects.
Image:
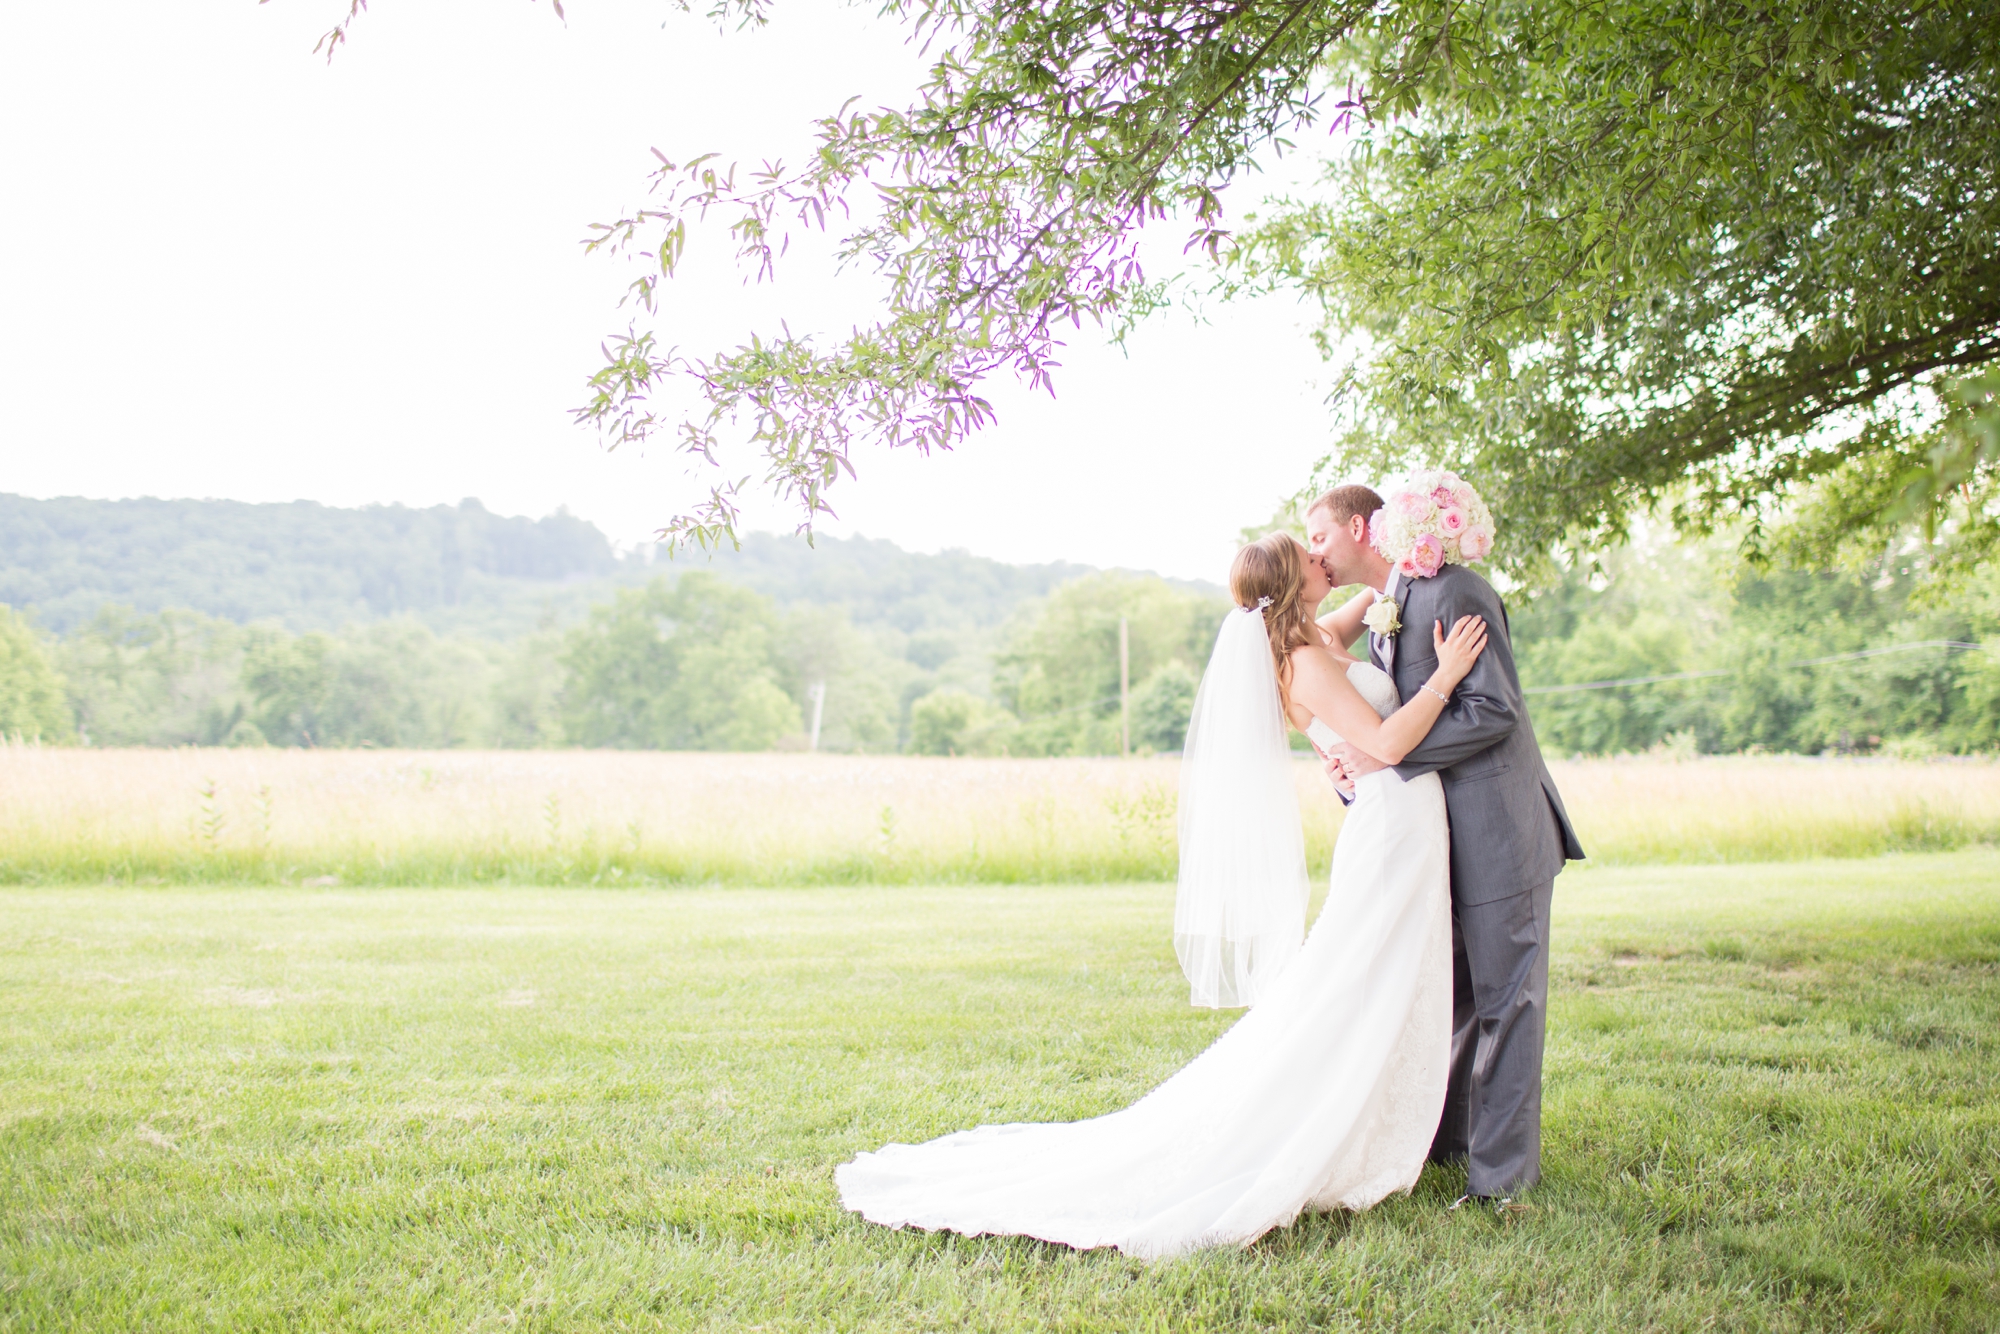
[
  {"x": 1353, "y": 762},
  {"x": 1336, "y": 773}
]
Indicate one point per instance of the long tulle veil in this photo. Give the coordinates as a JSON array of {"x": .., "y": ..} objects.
[{"x": 1240, "y": 913}]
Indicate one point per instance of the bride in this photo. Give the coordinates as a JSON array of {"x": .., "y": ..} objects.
[{"x": 1325, "y": 1095}]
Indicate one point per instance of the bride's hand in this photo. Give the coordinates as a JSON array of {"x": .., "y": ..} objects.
[{"x": 1458, "y": 650}]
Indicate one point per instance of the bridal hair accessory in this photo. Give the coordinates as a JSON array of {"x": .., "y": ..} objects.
[
  {"x": 1433, "y": 520},
  {"x": 1263, "y": 603}
]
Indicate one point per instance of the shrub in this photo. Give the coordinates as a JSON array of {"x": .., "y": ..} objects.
[
  {"x": 955, "y": 722},
  {"x": 31, "y": 693},
  {"x": 1162, "y": 707}
]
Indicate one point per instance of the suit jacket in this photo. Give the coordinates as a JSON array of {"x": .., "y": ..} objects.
[{"x": 1509, "y": 831}]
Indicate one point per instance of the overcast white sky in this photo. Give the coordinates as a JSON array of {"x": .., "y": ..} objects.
[{"x": 228, "y": 269}]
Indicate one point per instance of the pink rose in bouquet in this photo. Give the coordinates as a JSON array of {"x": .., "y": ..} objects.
[
  {"x": 1427, "y": 554},
  {"x": 1434, "y": 520}
]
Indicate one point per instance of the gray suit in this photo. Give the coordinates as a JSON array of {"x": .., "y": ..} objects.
[{"x": 1509, "y": 838}]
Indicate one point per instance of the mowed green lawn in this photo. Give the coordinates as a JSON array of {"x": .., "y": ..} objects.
[{"x": 1773, "y": 1103}]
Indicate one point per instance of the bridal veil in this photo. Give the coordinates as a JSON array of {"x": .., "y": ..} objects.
[{"x": 1240, "y": 912}]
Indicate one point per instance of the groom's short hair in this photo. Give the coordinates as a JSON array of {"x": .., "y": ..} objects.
[{"x": 1344, "y": 502}]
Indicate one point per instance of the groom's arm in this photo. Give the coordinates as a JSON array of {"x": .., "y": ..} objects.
[{"x": 1486, "y": 707}]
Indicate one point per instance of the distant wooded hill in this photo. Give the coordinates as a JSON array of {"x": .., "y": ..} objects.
[
  {"x": 453, "y": 626},
  {"x": 456, "y": 568}
]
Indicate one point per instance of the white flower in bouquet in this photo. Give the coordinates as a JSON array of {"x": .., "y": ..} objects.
[{"x": 1433, "y": 520}]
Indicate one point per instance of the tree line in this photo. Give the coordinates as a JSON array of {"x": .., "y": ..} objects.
[
  {"x": 1877, "y": 657},
  {"x": 691, "y": 663},
  {"x": 1674, "y": 646}
]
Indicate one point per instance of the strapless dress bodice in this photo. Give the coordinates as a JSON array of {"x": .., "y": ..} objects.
[{"x": 1375, "y": 687}]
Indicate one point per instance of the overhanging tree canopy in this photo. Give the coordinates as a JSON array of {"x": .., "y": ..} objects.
[
  {"x": 1711, "y": 254},
  {"x": 1602, "y": 254}
]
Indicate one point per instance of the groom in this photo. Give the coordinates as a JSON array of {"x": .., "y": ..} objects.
[{"x": 1509, "y": 838}]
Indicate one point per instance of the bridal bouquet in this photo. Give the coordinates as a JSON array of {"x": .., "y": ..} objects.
[{"x": 1433, "y": 520}]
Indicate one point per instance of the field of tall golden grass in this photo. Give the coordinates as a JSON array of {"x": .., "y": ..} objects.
[{"x": 457, "y": 817}]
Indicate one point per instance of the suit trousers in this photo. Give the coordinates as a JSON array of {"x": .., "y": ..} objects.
[{"x": 1500, "y": 999}]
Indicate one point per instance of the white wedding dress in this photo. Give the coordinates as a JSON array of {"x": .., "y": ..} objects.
[{"x": 1325, "y": 1095}]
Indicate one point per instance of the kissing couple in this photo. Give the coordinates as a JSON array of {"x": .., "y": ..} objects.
[{"x": 1408, "y": 1026}]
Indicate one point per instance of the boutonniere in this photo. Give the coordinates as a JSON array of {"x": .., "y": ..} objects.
[{"x": 1383, "y": 617}]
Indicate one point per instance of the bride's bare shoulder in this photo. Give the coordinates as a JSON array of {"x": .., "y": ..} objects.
[{"x": 1316, "y": 661}]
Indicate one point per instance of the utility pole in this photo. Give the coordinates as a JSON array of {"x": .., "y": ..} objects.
[
  {"x": 1124, "y": 687},
  {"x": 817, "y": 694}
]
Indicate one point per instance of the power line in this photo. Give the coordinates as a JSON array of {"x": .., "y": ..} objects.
[
  {"x": 1947, "y": 644},
  {"x": 1734, "y": 671},
  {"x": 1626, "y": 681}
]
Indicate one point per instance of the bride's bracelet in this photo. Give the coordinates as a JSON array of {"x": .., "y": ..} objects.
[{"x": 1428, "y": 691}]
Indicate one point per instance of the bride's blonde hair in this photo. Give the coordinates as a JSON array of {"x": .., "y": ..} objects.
[{"x": 1274, "y": 567}]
